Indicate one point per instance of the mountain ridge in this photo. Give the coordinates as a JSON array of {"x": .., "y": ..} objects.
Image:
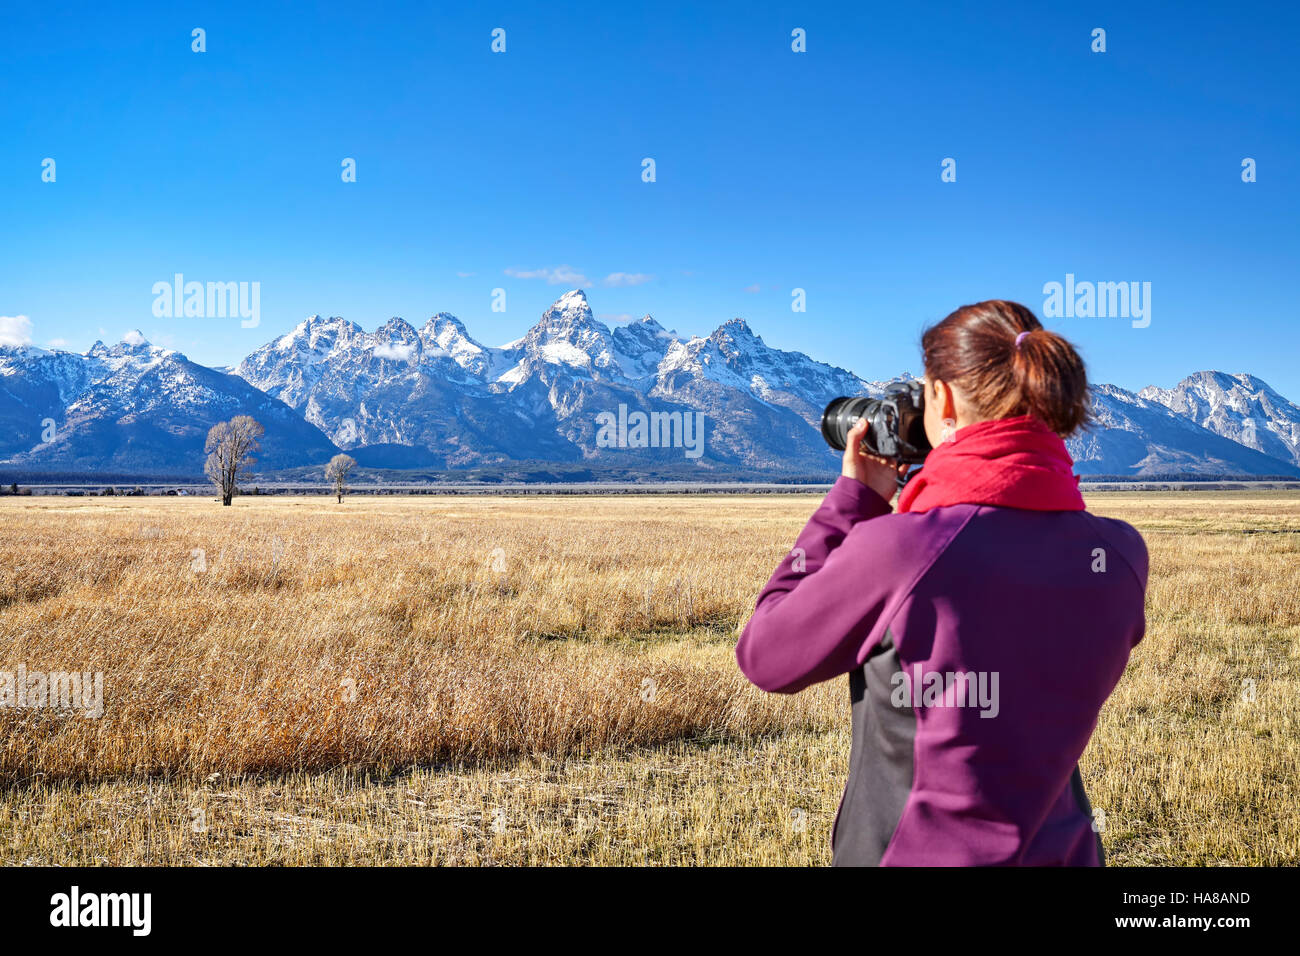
[{"x": 328, "y": 384}]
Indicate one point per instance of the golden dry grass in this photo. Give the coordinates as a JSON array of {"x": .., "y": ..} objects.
[{"x": 377, "y": 683}]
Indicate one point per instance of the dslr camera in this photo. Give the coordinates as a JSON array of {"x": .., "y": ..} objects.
[{"x": 897, "y": 425}]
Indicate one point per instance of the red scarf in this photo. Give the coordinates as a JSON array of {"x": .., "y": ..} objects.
[{"x": 1010, "y": 462}]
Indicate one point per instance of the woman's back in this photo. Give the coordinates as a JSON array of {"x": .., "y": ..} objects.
[
  {"x": 1041, "y": 638},
  {"x": 982, "y": 626},
  {"x": 980, "y": 643}
]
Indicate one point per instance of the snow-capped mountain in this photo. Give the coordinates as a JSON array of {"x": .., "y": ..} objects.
[
  {"x": 133, "y": 408},
  {"x": 36, "y": 385},
  {"x": 1136, "y": 436},
  {"x": 570, "y": 389},
  {"x": 1239, "y": 407},
  {"x": 762, "y": 406},
  {"x": 398, "y": 388},
  {"x": 733, "y": 356},
  {"x": 542, "y": 395}
]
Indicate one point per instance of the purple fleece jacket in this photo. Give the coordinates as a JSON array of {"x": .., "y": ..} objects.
[{"x": 980, "y": 644}]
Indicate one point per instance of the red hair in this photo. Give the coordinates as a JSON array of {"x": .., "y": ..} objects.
[{"x": 975, "y": 349}]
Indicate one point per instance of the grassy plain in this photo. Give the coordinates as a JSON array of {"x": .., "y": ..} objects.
[{"x": 545, "y": 680}]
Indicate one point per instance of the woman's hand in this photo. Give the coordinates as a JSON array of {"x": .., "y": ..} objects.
[{"x": 879, "y": 474}]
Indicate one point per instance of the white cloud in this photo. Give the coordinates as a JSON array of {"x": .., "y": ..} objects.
[
  {"x": 753, "y": 288},
  {"x": 134, "y": 337},
  {"x": 560, "y": 275},
  {"x": 620, "y": 279},
  {"x": 15, "y": 330},
  {"x": 394, "y": 350},
  {"x": 567, "y": 275},
  {"x": 466, "y": 275}
]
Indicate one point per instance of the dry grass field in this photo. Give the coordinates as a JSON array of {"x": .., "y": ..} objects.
[{"x": 550, "y": 680}]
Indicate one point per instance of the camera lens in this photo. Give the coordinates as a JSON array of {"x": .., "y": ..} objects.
[{"x": 839, "y": 418}]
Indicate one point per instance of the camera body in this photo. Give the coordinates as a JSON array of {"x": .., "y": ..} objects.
[{"x": 897, "y": 422}]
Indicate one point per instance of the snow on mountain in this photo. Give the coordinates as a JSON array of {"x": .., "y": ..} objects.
[
  {"x": 757, "y": 401},
  {"x": 569, "y": 368},
  {"x": 641, "y": 347},
  {"x": 64, "y": 374},
  {"x": 541, "y": 396},
  {"x": 1240, "y": 407},
  {"x": 290, "y": 367},
  {"x": 537, "y": 397},
  {"x": 735, "y": 357},
  {"x": 1138, "y": 437},
  {"x": 445, "y": 335},
  {"x": 568, "y": 334},
  {"x": 568, "y": 341},
  {"x": 427, "y": 389},
  {"x": 133, "y": 407},
  {"x": 35, "y": 386},
  {"x": 434, "y": 397}
]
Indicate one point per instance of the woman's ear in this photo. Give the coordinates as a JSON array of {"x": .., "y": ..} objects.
[{"x": 941, "y": 395}]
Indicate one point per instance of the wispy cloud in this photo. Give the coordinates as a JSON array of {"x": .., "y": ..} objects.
[
  {"x": 567, "y": 275},
  {"x": 134, "y": 337},
  {"x": 466, "y": 275},
  {"x": 618, "y": 279},
  {"x": 753, "y": 288},
  {"x": 400, "y": 352},
  {"x": 560, "y": 275},
  {"x": 15, "y": 330}
]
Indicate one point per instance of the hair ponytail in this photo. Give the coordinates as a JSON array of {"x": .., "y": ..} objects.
[{"x": 1005, "y": 364}]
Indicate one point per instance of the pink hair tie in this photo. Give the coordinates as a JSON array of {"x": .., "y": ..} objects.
[{"x": 1020, "y": 338}]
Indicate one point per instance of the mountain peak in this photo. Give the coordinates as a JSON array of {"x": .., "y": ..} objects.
[
  {"x": 544, "y": 394},
  {"x": 133, "y": 344},
  {"x": 568, "y": 334},
  {"x": 1223, "y": 379},
  {"x": 316, "y": 321},
  {"x": 1239, "y": 407},
  {"x": 317, "y": 332},
  {"x": 571, "y": 303},
  {"x": 396, "y": 326},
  {"x": 440, "y": 321},
  {"x": 568, "y": 315},
  {"x": 1231, "y": 380},
  {"x": 573, "y": 298},
  {"x": 1211, "y": 385},
  {"x": 445, "y": 335},
  {"x": 735, "y": 330}
]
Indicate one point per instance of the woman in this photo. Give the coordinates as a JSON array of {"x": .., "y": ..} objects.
[{"x": 982, "y": 625}]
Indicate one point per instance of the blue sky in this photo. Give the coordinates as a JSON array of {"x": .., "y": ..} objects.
[{"x": 775, "y": 170}]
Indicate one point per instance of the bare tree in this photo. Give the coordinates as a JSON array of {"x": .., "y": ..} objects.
[
  {"x": 230, "y": 448},
  {"x": 337, "y": 471}
]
